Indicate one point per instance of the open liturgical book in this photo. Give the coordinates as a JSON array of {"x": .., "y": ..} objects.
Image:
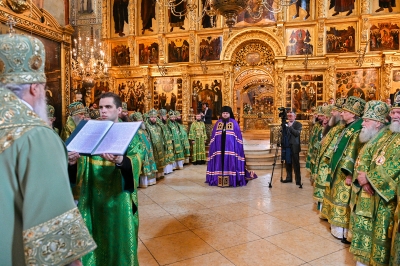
[{"x": 95, "y": 137}]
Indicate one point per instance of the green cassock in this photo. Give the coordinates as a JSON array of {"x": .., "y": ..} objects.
[
  {"x": 335, "y": 205},
  {"x": 199, "y": 135},
  {"x": 395, "y": 248},
  {"x": 168, "y": 145},
  {"x": 177, "y": 143},
  {"x": 149, "y": 167},
  {"x": 156, "y": 139},
  {"x": 37, "y": 209},
  {"x": 185, "y": 141},
  {"x": 109, "y": 208},
  {"x": 372, "y": 217},
  {"x": 68, "y": 128},
  {"x": 315, "y": 137},
  {"x": 321, "y": 168}
]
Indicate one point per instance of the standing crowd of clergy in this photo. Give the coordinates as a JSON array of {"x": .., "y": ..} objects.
[{"x": 354, "y": 165}]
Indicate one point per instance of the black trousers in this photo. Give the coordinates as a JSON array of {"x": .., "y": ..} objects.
[{"x": 296, "y": 165}]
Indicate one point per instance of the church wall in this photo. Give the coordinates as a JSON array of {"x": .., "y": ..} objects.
[{"x": 307, "y": 38}]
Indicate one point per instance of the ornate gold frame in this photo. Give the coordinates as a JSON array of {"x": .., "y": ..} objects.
[{"x": 40, "y": 22}]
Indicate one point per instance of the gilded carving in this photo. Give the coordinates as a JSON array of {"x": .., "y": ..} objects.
[
  {"x": 131, "y": 45},
  {"x": 321, "y": 10},
  {"x": 386, "y": 80},
  {"x": 67, "y": 81},
  {"x": 226, "y": 95},
  {"x": 365, "y": 30},
  {"x": 18, "y": 6},
  {"x": 132, "y": 20},
  {"x": 192, "y": 44},
  {"x": 186, "y": 96},
  {"x": 161, "y": 48},
  {"x": 279, "y": 32},
  {"x": 263, "y": 35},
  {"x": 148, "y": 92},
  {"x": 161, "y": 19},
  {"x": 105, "y": 23},
  {"x": 279, "y": 85},
  {"x": 365, "y": 6},
  {"x": 265, "y": 55},
  {"x": 331, "y": 81}
]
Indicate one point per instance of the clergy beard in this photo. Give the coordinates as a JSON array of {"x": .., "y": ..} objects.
[
  {"x": 335, "y": 119},
  {"x": 179, "y": 120},
  {"x": 40, "y": 107},
  {"x": 367, "y": 134},
  {"x": 124, "y": 118},
  {"x": 143, "y": 126},
  {"x": 395, "y": 127},
  {"x": 164, "y": 121},
  {"x": 225, "y": 119},
  {"x": 76, "y": 119}
]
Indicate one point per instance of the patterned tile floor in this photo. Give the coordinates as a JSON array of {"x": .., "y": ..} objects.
[{"x": 183, "y": 221}]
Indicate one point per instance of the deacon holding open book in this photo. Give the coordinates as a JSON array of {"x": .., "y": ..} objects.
[{"x": 108, "y": 180}]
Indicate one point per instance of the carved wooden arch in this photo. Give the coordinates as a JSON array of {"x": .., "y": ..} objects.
[
  {"x": 266, "y": 36},
  {"x": 252, "y": 75}
]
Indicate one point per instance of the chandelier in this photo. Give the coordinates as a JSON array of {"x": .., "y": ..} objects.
[
  {"x": 88, "y": 61},
  {"x": 227, "y": 8}
]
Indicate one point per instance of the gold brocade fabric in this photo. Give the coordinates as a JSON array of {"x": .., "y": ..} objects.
[
  {"x": 68, "y": 128},
  {"x": 321, "y": 168},
  {"x": 198, "y": 134},
  {"x": 314, "y": 137},
  {"x": 372, "y": 219},
  {"x": 58, "y": 241},
  {"x": 337, "y": 194},
  {"x": 15, "y": 119}
]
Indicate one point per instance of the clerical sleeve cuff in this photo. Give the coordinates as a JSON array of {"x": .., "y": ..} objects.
[{"x": 58, "y": 241}]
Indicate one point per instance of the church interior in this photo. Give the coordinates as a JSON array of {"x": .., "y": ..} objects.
[{"x": 253, "y": 55}]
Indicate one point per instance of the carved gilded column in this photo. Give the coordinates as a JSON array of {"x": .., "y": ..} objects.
[
  {"x": 320, "y": 40},
  {"x": 331, "y": 81},
  {"x": 147, "y": 92},
  {"x": 186, "y": 96},
  {"x": 192, "y": 45},
  {"x": 279, "y": 88},
  {"x": 132, "y": 16},
  {"x": 321, "y": 10},
  {"x": 365, "y": 31},
  {"x": 386, "y": 81},
  {"x": 131, "y": 45},
  {"x": 161, "y": 47},
  {"x": 161, "y": 18},
  {"x": 365, "y": 6},
  {"x": 65, "y": 79},
  {"x": 227, "y": 91},
  {"x": 105, "y": 23}
]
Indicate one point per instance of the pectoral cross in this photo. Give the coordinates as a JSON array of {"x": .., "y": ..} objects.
[{"x": 11, "y": 23}]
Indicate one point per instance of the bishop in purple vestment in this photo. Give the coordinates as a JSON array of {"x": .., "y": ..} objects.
[{"x": 226, "y": 154}]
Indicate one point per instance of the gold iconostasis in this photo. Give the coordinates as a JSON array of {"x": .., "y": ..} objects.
[{"x": 300, "y": 57}]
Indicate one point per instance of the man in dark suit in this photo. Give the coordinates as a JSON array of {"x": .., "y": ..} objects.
[
  {"x": 293, "y": 130},
  {"x": 207, "y": 118}
]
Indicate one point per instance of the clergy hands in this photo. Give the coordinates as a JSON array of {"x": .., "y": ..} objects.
[
  {"x": 368, "y": 188},
  {"x": 73, "y": 157},
  {"x": 75, "y": 263},
  {"x": 113, "y": 158},
  {"x": 362, "y": 178},
  {"x": 348, "y": 180}
]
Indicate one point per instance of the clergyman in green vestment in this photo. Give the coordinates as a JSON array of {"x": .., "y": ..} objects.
[
  {"x": 321, "y": 169},
  {"x": 335, "y": 206},
  {"x": 315, "y": 137},
  {"x": 77, "y": 112},
  {"x": 176, "y": 140},
  {"x": 373, "y": 199},
  {"x": 40, "y": 224},
  {"x": 108, "y": 196},
  {"x": 184, "y": 136},
  {"x": 198, "y": 136}
]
